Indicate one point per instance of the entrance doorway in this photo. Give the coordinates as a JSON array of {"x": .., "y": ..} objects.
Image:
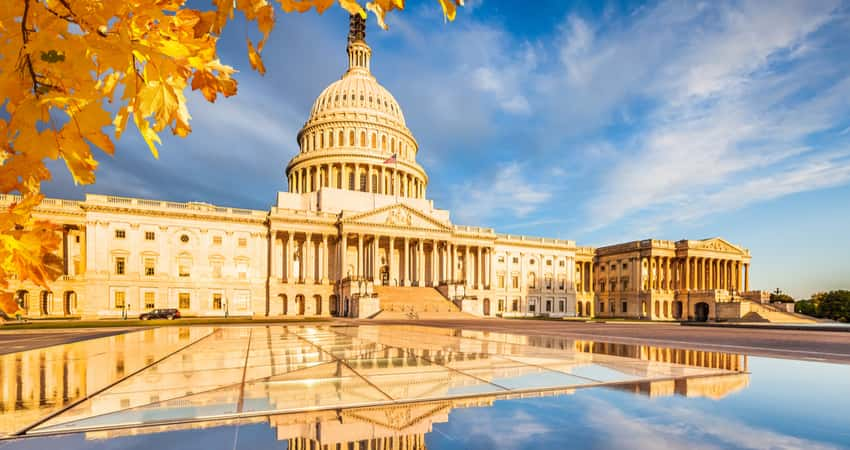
[
  {"x": 677, "y": 310},
  {"x": 69, "y": 302},
  {"x": 299, "y": 301},
  {"x": 385, "y": 275},
  {"x": 701, "y": 312}
]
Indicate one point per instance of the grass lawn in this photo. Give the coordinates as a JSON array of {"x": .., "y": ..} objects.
[{"x": 59, "y": 324}]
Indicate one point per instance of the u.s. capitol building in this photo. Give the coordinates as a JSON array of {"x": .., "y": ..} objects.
[{"x": 356, "y": 235}]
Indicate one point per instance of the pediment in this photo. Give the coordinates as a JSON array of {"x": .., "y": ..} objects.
[
  {"x": 399, "y": 215},
  {"x": 719, "y": 245}
]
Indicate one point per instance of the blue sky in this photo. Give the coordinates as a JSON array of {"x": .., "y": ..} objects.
[{"x": 601, "y": 122}]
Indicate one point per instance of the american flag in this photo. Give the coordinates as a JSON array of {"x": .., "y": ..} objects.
[{"x": 391, "y": 159}]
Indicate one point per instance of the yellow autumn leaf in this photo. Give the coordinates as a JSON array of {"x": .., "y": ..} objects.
[{"x": 255, "y": 60}]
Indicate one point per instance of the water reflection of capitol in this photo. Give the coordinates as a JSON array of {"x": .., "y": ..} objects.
[{"x": 39, "y": 382}]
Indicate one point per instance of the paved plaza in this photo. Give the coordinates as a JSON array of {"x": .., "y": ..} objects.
[{"x": 193, "y": 374}]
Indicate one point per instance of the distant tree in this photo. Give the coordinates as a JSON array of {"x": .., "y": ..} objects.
[
  {"x": 807, "y": 307},
  {"x": 835, "y": 305},
  {"x": 778, "y": 296}
]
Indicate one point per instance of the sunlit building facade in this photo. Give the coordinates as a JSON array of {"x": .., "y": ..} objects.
[{"x": 355, "y": 235}]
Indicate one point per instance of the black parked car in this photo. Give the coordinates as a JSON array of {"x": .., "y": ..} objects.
[{"x": 167, "y": 313}]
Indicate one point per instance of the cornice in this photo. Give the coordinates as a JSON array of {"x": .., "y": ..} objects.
[{"x": 175, "y": 214}]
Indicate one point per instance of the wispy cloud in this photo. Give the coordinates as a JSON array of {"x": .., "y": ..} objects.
[{"x": 506, "y": 191}]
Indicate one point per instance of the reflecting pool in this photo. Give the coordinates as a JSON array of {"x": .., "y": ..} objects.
[{"x": 409, "y": 387}]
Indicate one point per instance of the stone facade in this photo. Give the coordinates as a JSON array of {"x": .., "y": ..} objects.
[{"x": 356, "y": 216}]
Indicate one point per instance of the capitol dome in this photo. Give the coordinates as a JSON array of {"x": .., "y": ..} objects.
[{"x": 355, "y": 137}]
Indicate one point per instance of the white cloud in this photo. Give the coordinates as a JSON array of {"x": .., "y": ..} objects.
[
  {"x": 508, "y": 190},
  {"x": 726, "y": 121}
]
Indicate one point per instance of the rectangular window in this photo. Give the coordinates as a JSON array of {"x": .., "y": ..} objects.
[
  {"x": 612, "y": 306},
  {"x": 120, "y": 297},
  {"x": 602, "y": 287},
  {"x": 548, "y": 262},
  {"x": 216, "y": 301},
  {"x": 561, "y": 306},
  {"x": 243, "y": 242},
  {"x": 625, "y": 285},
  {"x": 150, "y": 236},
  {"x": 561, "y": 263},
  {"x": 625, "y": 307},
  {"x": 242, "y": 271},
  {"x": 561, "y": 283},
  {"x": 120, "y": 234},
  {"x": 501, "y": 281},
  {"x": 548, "y": 283},
  {"x": 548, "y": 305},
  {"x": 120, "y": 265},
  {"x": 501, "y": 259},
  {"x": 515, "y": 282},
  {"x": 216, "y": 269},
  {"x": 216, "y": 240},
  {"x": 515, "y": 260},
  {"x": 184, "y": 300},
  {"x": 351, "y": 181},
  {"x": 532, "y": 307},
  {"x": 601, "y": 306},
  {"x": 184, "y": 266},
  {"x": 501, "y": 305},
  {"x": 613, "y": 286},
  {"x": 150, "y": 300},
  {"x": 150, "y": 267},
  {"x": 625, "y": 266},
  {"x": 515, "y": 305}
]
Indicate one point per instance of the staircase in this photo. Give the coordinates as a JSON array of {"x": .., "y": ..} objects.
[
  {"x": 416, "y": 303},
  {"x": 759, "y": 312}
]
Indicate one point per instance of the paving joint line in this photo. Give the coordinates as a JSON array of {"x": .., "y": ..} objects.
[
  {"x": 340, "y": 361},
  {"x": 108, "y": 386}
]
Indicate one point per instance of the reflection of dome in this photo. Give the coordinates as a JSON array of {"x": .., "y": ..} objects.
[{"x": 355, "y": 126}]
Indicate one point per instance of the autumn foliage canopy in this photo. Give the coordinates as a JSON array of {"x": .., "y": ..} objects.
[{"x": 75, "y": 74}]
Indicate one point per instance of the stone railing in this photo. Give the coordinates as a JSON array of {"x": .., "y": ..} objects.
[
  {"x": 171, "y": 206},
  {"x": 535, "y": 240}
]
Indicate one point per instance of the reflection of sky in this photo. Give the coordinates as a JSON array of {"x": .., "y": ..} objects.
[{"x": 789, "y": 404}]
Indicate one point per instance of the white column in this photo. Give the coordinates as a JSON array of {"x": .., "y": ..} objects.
[
  {"x": 420, "y": 262},
  {"x": 466, "y": 274},
  {"x": 406, "y": 272},
  {"x": 343, "y": 253},
  {"x": 479, "y": 269},
  {"x": 360, "y": 256},
  {"x": 376, "y": 247},
  {"x": 391, "y": 261},
  {"x": 289, "y": 257},
  {"x": 309, "y": 264},
  {"x": 325, "y": 257}
]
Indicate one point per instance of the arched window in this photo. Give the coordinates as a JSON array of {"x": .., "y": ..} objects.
[
  {"x": 532, "y": 279},
  {"x": 392, "y": 145},
  {"x": 331, "y": 139},
  {"x": 322, "y": 140},
  {"x": 350, "y": 181},
  {"x": 374, "y": 183},
  {"x": 313, "y": 145},
  {"x": 363, "y": 180},
  {"x": 374, "y": 141},
  {"x": 340, "y": 140},
  {"x": 383, "y": 142},
  {"x": 350, "y": 138},
  {"x": 362, "y": 138}
]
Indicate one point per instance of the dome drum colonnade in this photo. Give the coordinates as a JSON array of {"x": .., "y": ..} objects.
[{"x": 355, "y": 128}]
